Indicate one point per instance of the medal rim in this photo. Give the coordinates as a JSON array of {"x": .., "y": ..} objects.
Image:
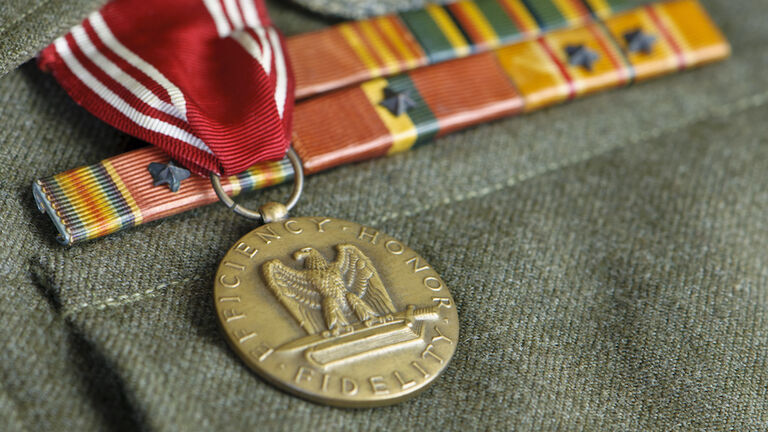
[{"x": 286, "y": 386}]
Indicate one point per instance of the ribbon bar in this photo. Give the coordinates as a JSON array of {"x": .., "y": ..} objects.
[
  {"x": 353, "y": 52},
  {"x": 118, "y": 193},
  {"x": 395, "y": 113}
]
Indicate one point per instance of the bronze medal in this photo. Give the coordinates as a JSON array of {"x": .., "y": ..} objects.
[
  {"x": 335, "y": 312},
  {"x": 331, "y": 310}
]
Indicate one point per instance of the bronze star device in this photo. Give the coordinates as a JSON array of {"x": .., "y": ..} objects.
[{"x": 335, "y": 312}]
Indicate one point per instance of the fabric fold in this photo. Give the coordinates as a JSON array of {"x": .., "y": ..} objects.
[{"x": 206, "y": 81}]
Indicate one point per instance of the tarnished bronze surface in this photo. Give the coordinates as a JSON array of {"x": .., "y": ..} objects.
[{"x": 335, "y": 312}]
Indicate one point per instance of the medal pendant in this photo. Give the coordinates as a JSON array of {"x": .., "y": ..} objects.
[
  {"x": 330, "y": 310},
  {"x": 335, "y": 312}
]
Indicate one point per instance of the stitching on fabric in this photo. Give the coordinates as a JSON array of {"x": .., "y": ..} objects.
[
  {"x": 724, "y": 110},
  {"x": 125, "y": 299}
]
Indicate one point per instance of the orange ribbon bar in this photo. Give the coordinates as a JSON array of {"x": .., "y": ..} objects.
[
  {"x": 353, "y": 52},
  {"x": 386, "y": 115}
]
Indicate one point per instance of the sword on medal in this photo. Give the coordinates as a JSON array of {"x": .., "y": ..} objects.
[{"x": 364, "y": 89}]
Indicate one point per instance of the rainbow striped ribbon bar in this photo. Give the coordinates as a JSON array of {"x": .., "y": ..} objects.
[
  {"x": 117, "y": 193},
  {"x": 352, "y": 52}
]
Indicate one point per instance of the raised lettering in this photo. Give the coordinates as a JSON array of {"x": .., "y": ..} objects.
[
  {"x": 403, "y": 383},
  {"x": 348, "y": 386},
  {"x": 440, "y": 336},
  {"x": 378, "y": 386},
  {"x": 303, "y": 374},
  {"x": 442, "y": 302},
  {"x": 324, "y": 386},
  {"x": 428, "y": 352},
  {"x": 244, "y": 335},
  {"x": 225, "y": 284},
  {"x": 394, "y": 247},
  {"x": 235, "y": 299},
  {"x": 320, "y": 223},
  {"x": 372, "y": 235},
  {"x": 268, "y": 236},
  {"x": 433, "y": 283},
  {"x": 232, "y": 315},
  {"x": 261, "y": 352},
  {"x": 416, "y": 266},
  {"x": 235, "y": 266},
  {"x": 289, "y": 226},
  {"x": 421, "y": 370},
  {"x": 246, "y": 250}
]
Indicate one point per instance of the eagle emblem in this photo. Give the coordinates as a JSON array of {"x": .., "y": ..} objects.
[{"x": 329, "y": 297}]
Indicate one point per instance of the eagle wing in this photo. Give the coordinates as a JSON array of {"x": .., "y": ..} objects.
[
  {"x": 295, "y": 291},
  {"x": 361, "y": 278}
]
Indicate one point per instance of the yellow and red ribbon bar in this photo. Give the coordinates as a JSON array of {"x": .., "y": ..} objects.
[
  {"x": 550, "y": 68},
  {"x": 520, "y": 77},
  {"x": 353, "y": 52}
]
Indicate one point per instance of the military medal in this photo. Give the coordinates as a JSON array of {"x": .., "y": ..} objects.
[
  {"x": 523, "y": 60},
  {"x": 331, "y": 310}
]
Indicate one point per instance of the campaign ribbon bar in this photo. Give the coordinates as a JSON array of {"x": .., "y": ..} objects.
[
  {"x": 352, "y": 52},
  {"x": 387, "y": 115}
]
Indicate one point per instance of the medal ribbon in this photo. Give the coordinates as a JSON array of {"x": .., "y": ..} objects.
[
  {"x": 363, "y": 121},
  {"x": 207, "y": 81}
]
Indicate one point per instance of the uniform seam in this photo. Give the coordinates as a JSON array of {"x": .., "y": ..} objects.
[
  {"x": 121, "y": 300},
  {"x": 744, "y": 104}
]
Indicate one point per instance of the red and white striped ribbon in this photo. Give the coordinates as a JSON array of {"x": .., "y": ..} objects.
[{"x": 208, "y": 81}]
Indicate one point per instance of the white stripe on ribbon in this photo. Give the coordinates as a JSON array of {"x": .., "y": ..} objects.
[
  {"x": 147, "y": 122},
  {"x": 105, "y": 34},
  {"x": 249, "y": 44},
  {"x": 234, "y": 14},
  {"x": 120, "y": 76},
  {"x": 266, "y": 48},
  {"x": 250, "y": 14},
  {"x": 281, "y": 85},
  {"x": 217, "y": 13}
]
